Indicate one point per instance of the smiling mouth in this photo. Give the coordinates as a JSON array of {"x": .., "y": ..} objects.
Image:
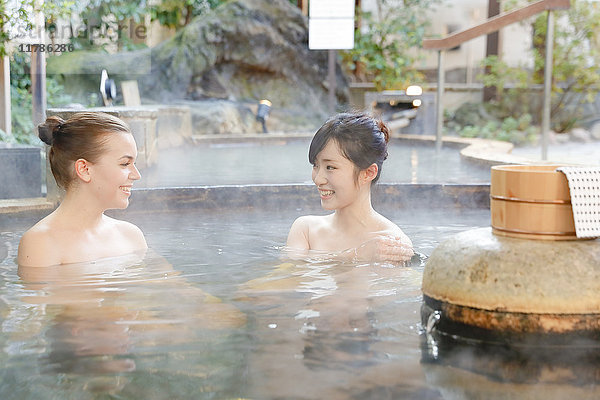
[
  {"x": 326, "y": 193},
  {"x": 126, "y": 189}
]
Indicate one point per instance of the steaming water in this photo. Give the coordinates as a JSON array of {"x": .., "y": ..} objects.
[
  {"x": 213, "y": 312},
  {"x": 287, "y": 162}
]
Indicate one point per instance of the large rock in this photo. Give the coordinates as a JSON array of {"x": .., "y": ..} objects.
[
  {"x": 479, "y": 269},
  {"x": 215, "y": 116},
  {"x": 243, "y": 51},
  {"x": 512, "y": 318},
  {"x": 490, "y": 282}
]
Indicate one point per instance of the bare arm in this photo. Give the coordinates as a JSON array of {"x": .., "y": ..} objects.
[
  {"x": 297, "y": 244},
  {"x": 391, "y": 246},
  {"x": 134, "y": 235},
  {"x": 37, "y": 250},
  {"x": 394, "y": 249}
]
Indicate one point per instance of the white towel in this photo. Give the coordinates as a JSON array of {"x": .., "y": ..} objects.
[{"x": 584, "y": 185}]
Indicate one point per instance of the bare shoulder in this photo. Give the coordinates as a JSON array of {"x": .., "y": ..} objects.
[
  {"x": 309, "y": 222},
  {"x": 126, "y": 227},
  {"x": 390, "y": 228},
  {"x": 38, "y": 246},
  {"x": 299, "y": 236},
  {"x": 130, "y": 232}
]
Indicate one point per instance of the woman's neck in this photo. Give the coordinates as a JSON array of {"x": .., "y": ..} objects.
[
  {"x": 80, "y": 210},
  {"x": 358, "y": 215}
]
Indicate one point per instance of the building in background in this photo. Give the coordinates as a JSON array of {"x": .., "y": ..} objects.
[{"x": 464, "y": 62}]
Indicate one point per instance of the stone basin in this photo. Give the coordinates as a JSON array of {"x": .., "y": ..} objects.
[{"x": 484, "y": 283}]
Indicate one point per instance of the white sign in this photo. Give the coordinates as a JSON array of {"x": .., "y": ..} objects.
[
  {"x": 330, "y": 34},
  {"x": 331, "y": 25},
  {"x": 331, "y": 9}
]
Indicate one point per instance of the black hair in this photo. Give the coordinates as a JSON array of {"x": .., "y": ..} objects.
[{"x": 361, "y": 138}]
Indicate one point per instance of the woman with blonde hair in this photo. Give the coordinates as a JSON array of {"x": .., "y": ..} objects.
[{"x": 92, "y": 157}]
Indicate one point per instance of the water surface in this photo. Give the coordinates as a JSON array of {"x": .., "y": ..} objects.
[
  {"x": 213, "y": 312},
  {"x": 287, "y": 162}
]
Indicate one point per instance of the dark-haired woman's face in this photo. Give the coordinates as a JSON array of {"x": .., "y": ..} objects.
[
  {"x": 114, "y": 173},
  {"x": 335, "y": 177}
]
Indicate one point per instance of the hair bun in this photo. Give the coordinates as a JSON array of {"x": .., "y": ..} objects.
[
  {"x": 48, "y": 129},
  {"x": 384, "y": 129}
]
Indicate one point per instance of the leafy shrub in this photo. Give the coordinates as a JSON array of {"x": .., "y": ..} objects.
[
  {"x": 575, "y": 71},
  {"x": 21, "y": 100},
  {"x": 518, "y": 131},
  {"x": 386, "y": 49}
]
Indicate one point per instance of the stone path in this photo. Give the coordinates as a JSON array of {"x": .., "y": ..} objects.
[{"x": 570, "y": 152}]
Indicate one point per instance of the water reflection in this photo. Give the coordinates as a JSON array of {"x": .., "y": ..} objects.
[
  {"x": 117, "y": 316},
  {"x": 331, "y": 330},
  {"x": 514, "y": 367},
  {"x": 173, "y": 342}
]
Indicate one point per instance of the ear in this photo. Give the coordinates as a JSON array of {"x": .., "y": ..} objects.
[
  {"x": 82, "y": 170},
  {"x": 370, "y": 173}
]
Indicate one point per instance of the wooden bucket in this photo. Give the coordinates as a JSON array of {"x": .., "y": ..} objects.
[{"x": 531, "y": 202}]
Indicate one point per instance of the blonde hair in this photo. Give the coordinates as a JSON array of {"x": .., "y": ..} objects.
[{"x": 83, "y": 135}]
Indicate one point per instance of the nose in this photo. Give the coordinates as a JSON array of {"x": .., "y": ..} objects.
[
  {"x": 318, "y": 176},
  {"x": 134, "y": 175}
]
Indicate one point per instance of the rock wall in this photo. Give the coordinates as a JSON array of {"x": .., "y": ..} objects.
[{"x": 243, "y": 51}]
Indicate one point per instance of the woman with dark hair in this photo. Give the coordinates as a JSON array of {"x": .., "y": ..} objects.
[
  {"x": 347, "y": 155},
  {"x": 92, "y": 157}
]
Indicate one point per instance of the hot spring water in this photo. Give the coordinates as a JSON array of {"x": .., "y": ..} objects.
[{"x": 212, "y": 311}]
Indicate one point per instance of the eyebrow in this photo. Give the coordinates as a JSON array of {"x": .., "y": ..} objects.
[{"x": 127, "y": 157}]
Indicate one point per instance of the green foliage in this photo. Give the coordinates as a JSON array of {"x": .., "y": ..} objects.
[
  {"x": 13, "y": 17},
  {"x": 21, "y": 100},
  {"x": 19, "y": 16},
  {"x": 104, "y": 20},
  {"x": 107, "y": 20},
  {"x": 576, "y": 68},
  {"x": 518, "y": 131},
  {"x": 385, "y": 50},
  {"x": 101, "y": 19},
  {"x": 5, "y": 137},
  {"x": 21, "y": 103},
  {"x": 178, "y": 13},
  {"x": 21, "y": 119},
  {"x": 101, "y": 15},
  {"x": 469, "y": 131},
  {"x": 575, "y": 71}
]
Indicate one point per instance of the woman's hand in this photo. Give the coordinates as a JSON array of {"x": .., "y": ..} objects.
[{"x": 385, "y": 248}]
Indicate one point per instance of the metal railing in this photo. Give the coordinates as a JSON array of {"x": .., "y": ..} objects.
[{"x": 492, "y": 25}]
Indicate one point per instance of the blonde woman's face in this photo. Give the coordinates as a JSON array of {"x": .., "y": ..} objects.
[{"x": 114, "y": 173}]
